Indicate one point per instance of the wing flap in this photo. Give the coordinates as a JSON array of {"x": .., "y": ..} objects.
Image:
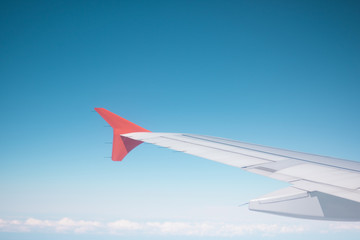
[
  {"x": 294, "y": 202},
  {"x": 324, "y": 174},
  {"x": 353, "y": 195},
  {"x": 287, "y": 154},
  {"x": 265, "y": 172}
]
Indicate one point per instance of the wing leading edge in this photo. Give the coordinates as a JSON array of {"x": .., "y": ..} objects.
[{"x": 321, "y": 187}]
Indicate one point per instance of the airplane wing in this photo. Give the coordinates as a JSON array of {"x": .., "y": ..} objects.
[{"x": 321, "y": 187}]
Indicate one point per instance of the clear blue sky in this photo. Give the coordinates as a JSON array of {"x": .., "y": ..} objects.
[{"x": 278, "y": 73}]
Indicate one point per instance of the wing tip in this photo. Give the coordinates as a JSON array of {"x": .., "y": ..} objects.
[{"x": 121, "y": 145}]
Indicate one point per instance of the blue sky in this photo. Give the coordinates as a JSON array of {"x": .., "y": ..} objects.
[{"x": 277, "y": 73}]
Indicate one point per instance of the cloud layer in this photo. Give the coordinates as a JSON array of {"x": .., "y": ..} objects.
[{"x": 126, "y": 227}]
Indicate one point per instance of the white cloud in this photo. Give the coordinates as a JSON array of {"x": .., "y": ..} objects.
[
  {"x": 37, "y": 225},
  {"x": 346, "y": 226},
  {"x": 124, "y": 225},
  {"x": 173, "y": 228}
]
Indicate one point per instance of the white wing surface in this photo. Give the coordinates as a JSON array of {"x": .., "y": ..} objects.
[{"x": 321, "y": 187}]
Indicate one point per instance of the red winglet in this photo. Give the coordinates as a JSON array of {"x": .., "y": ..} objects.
[{"x": 121, "y": 145}]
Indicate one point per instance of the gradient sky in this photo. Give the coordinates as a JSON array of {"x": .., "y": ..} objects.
[{"x": 277, "y": 73}]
